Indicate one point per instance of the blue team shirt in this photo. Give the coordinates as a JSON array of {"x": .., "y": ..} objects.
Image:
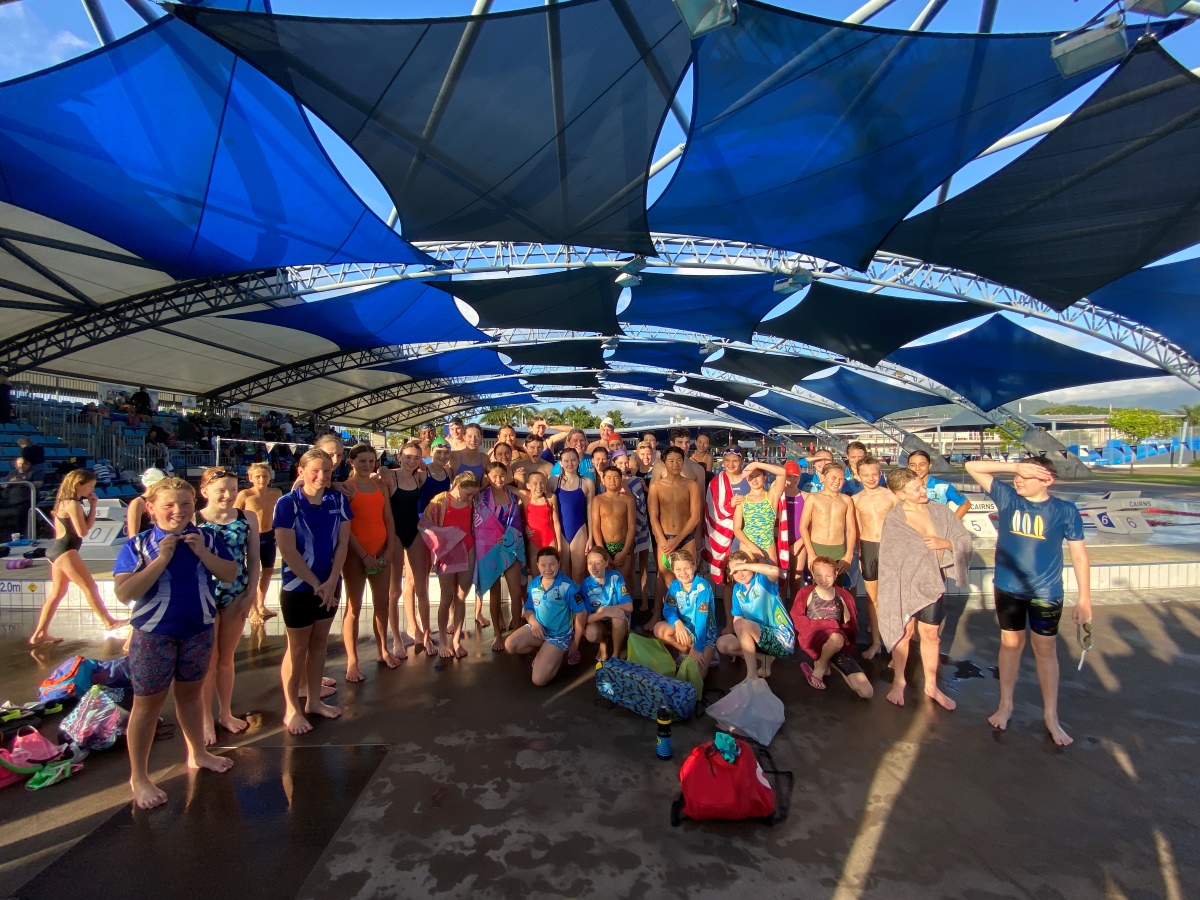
[
  {"x": 696, "y": 609},
  {"x": 612, "y": 592},
  {"x": 943, "y": 492},
  {"x": 1029, "y": 548},
  {"x": 587, "y": 468},
  {"x": 556, "y": 606},
  {"x": 316, "y": 528},
  {"x": 183, "y": 601},
  {"x": 755, "y": 601}
]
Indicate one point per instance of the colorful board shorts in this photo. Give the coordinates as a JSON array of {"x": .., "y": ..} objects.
[
  {"x": 769, "y": 644},
  {"x": 561, "y": 641},
  {"x": 155, "y": 660}
]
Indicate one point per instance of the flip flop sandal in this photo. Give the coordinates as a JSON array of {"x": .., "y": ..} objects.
[
  {"x": 17, "y": 764},
  {"x": 813, "y": 682},
  {"x": 573, "y": 658},
  {"x": 164, "y": 731}
]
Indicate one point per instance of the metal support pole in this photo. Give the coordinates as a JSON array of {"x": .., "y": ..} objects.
[
  {"x": 99, "y": 19},
  {"x": 217, "y": 451},
  {"x": 148, "y": 11},
  {"x": 867, "y": 12},
  {"x": 928, "y": 14}
]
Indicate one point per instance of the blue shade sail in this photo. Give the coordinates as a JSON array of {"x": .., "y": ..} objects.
[
  {"x": 862, "y": 326},
  {"x": 1000, "y": 361},
  {"x": 553, "y": 394},
  {"x": 729, "y": 306},
  {"x": 773, "y": 368},
  {"x": 1166, "y": 298},
  {"x": 655, "y": 381},
  {"x": 792, "y": 409},
  {"x": 707, "y": 404},
  {"x": 165, "y": 144},
  {"x": 578, "y": 354},
  {"x": 401, "y": 312},
  {"x": 564, "y": 379},
  {"x": 573, "y": 300},
  {"x": 818, "y": 136},
  {"x": 733, "y": 391},
  {"x": 759, "y": 422},
  {"x": 480, "y": 388},
  {"x": 636, "y": 396},
  {"x": 451, "y": 364},
  {"x": 1113, "y": 188},
  {"x": 678, "y": 356},
  {"x": 867, "y": 397},
  {"x": 533, "y": 125}
]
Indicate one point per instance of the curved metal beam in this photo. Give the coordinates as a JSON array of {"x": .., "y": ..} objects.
[
  {"x": 393, "y": 392},
  {"x": 444, "y": 407}
]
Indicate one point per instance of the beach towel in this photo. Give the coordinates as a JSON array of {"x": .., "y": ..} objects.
[
  {"x": 718, "y": 526},
  {"x": 910, "y": 575},
  {"x": 498, "y": 542},
  {"x": 446, "y": 546},
  {"x": 783, "y": 546}
]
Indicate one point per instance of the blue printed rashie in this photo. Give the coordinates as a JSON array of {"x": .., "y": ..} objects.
[
  {"x": 612, "y": 592},
  {"x": 1029, "y": 547},
  {"x": 554, "y": 607},
  {"x": 316, "y": 527},
  {"x": 943, "y": 492},
  {"x": 182, "y": 603},
  {"x": 236, "y": 535},
  {"x": 696, "y": 608}
]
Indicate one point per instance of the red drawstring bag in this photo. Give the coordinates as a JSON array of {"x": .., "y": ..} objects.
[{"x": 716, "y": 789}]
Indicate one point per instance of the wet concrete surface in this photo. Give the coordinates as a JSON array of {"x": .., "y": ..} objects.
[{"x": 460, "y": 779}]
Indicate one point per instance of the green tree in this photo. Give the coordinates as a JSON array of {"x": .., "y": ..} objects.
[
  {"x": 552, "y": 415},
  {"x": 1009, "y": 434},
  {"x": 1191, "y": 413},
  {"x": 1071, "y": 409},
  {"x": 618, "y": 420},
  {"x": 507, "y": 415},
  {"x": 579, "y": 417},
  {"x": 1139, "y": 424}
]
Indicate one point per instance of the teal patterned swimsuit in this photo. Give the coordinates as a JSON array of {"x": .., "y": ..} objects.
[{"x": 236, "y": 535}]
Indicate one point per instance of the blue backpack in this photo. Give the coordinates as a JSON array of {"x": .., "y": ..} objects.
[
  {"x": 70, "y": 680},
  {"x": 643, "y": 690}
]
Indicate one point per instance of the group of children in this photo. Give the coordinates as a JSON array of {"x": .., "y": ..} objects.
[{"x": 192, "y": 579}]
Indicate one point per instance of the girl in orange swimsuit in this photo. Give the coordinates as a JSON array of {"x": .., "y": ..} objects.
[{"x": 372, "y": 533}]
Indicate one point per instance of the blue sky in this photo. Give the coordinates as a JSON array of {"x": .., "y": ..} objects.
[{"x": 35, "y": 34}]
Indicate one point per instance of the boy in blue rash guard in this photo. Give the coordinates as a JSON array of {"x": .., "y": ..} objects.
[
  {"x": 760, "y": 622},
  {"x": 609, "y": 606},
  {"x": 169, "y": 575},
  {"x": 689, "y": 613},
  {"x": 554, "y": 616},
  {"x": 1028, "y": 585}
]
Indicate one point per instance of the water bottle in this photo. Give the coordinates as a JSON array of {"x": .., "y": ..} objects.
[{"x": 662, "y": 745}]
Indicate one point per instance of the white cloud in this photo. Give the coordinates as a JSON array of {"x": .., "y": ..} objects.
[{"x": 27, "y": 44}]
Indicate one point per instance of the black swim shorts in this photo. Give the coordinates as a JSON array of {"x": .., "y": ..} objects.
[
  {"x": 302, "y": 608},
  {"x": 933, "y": 614},
  {"x": 1013, "y": 611},
  {"x": 869, "y": 560}
]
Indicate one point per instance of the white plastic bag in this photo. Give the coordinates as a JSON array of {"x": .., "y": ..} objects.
[{"x": 750, "y": 709}]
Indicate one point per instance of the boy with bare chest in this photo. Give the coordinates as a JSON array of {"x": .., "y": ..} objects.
[
  {"x": 614, "y": 522},
  {"x": 871, "y": 506},
  {"x": 828, "y": 526}
]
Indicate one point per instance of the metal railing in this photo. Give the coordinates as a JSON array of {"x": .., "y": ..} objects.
[{"x": 31, "y": 516}]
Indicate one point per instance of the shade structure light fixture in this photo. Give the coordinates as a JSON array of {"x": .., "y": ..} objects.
[
  {"x": 609, "y": 343},
  {"x": 1090, "y": 46},
  {"x": 1160, "y": 8},
  {"x": 788, "y": 282},
  {"x": 627, "y": 276},
  {"x": 703, "y": 16},
  {"x": 708, "y": 348}
]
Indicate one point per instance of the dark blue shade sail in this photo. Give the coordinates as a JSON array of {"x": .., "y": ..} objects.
[
  {"x": 678, "y": 356},
  {"x": 530, "y": 125},
  {"x": 655, "y": 381},
  {"x": 706, "y": 404},
  {"x": 727, "y": 306},
  {"x": 565, "y": 394},
  {"x": 733, "y": 391},
  {"x": 1113, "y": 188},
  {"x": 564, "y": 379},
  {"x": 1000, "y": 361},
  {"x": 573, "y": 300},
  {"x": 792, "y": 409},
  {"x": 773, "y": 368},
  {"x": 452, "y": 364},
  {"x": 165, "y": 144},
  {"x": 581, "y": 354},
  {"x": 1166, "y": 298},
  {"x": 819, "y": 136},
  {"x": 867, "y": 397},
  {"x": 760, "y": 422},
  {"x": 401, "y": 312},
  {"x": 636, "y": 396},
  {"x": 480, "y": 388},
  {"x": 862, "y": 326}
]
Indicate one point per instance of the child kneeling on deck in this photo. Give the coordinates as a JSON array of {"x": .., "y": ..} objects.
[
  {"x": 689, "y": 613},
  {"x": 762, "y": 631},
  {"x": 827, "y": 629},
  {"x": 554, "y": 617},
  {"x": 168, "y": 575},
  {"x": 609, "y": 606}
]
